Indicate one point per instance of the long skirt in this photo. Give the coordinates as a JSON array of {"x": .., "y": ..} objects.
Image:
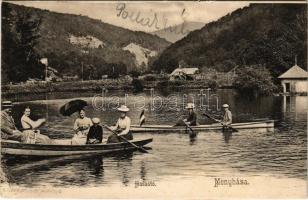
[
  {"x": 34, "y": 137},
  {"x": 79, "y": 139},
  {"x": 116, "y": 139}
]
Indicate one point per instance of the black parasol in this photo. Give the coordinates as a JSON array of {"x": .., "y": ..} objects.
[{"x": 72, "y": 107}]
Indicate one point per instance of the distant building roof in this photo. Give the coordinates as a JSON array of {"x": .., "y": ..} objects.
[
  {"x": 294, "y": 72},
  {"x": 188, "y": 71}
]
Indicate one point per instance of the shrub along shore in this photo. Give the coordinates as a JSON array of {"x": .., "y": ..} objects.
[{"x": 98, "y": 85}]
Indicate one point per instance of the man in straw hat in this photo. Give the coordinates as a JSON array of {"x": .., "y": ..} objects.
[
  {"x": 191, "y": 118},
  {"x": 227, "y": 117},
  {"x": 95, "y": 134},
  {"x": 122, "y": 127},
  {"x": 8, "y": 128}
]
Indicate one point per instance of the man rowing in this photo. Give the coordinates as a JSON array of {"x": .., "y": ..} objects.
[
  {"x": 227, "y": 116},
  {"x": 122, "y": 127},
  {"x": 191, "y": 119}
]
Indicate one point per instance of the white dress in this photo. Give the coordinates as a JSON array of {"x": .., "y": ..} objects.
[{"x": 82, "y": 126}]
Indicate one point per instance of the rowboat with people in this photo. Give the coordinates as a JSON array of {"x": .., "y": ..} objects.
[
  {"x": 264, "y": 125},
  {"x": 65, "y": 148}
]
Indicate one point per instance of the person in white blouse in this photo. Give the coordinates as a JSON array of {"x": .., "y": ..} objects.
[
  {"x": 30, "y": 132},
  {"x": 122, "y": 127},
  {"x": 81, "y": 127}
]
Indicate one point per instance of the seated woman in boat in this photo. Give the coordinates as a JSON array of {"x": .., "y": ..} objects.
[
  {"x": 29, "y": 128},
  {"x": 81, "y": 127},
  {"x": 122, "y": 127},
  {"x": 191, "y": 118},
  {"x": 95, "y": 134}
]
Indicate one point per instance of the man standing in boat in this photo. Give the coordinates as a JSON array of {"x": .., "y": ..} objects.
[
  {"x": 122, "y": 127},
  {"x": 8, "y": 127}
]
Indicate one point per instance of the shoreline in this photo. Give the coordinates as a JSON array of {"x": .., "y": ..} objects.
[{"x": 98, "y": 85}]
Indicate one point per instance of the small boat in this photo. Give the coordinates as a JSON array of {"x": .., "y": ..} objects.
[
  {"x": 10, "y": 147},
  {"x": 266, "y": 125}
]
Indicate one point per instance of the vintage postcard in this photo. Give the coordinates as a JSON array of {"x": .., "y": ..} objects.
[{"x": 154, "y": 99}]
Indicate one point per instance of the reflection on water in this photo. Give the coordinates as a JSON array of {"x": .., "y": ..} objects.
[{"x": 281, "y": 153}]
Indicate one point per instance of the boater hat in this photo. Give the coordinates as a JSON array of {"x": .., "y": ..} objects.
[
  {"x": 190, "y": 105},
  {"x": 123, "y": 108},
  {"x": 96, "y": 120},
  {"x": 225, "y": 106},
  {"x": 6, "y": 104}
]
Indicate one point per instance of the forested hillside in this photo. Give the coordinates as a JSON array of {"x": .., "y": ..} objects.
[
  {"x": 69, "y": 41},
  {"x": 269, "y": 35}
]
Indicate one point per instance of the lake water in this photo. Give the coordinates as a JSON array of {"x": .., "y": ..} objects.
[{"x": 279, "y": 154}]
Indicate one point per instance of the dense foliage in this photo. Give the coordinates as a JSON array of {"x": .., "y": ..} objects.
[
  {"x": 266, "y": 34},
  {"x": 255, "y": 80},
  {"x": 20, "y": 35},
  {"x": 55, "y": 30}
]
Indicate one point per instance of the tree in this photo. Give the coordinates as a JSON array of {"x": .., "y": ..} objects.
[
  {"x": 20, "y": 36},
  {"x": 255, "y": 80}
]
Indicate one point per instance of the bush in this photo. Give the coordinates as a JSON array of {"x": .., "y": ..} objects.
[
  {"x": 213, "y": 84},
  {"x": 255, "y": 80},
  {"x": 150, "y": 78}
]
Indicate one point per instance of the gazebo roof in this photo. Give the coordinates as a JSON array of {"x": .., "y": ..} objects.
[{"x": 294, "y": 72}]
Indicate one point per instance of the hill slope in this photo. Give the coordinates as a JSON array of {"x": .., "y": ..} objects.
[
  {"x": 268, "y": 34},
  {"x": 174, "y": 33},
  {"x": 69, "y": 41}
]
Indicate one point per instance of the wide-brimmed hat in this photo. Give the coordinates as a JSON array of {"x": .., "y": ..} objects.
[
  {"x": 96, "y": 120},
  {"x": 225, "y": 106},
  {"x": 123, "y": 108},
  {"x": 190, "y": 106},
  {"x": 6, "y": 104}
]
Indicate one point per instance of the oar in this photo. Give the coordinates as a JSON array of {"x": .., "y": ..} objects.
[
  {"x": 138, "y": 147},
  {"x": 230, "y": 127},
  {"x": 192, "y": 131}
]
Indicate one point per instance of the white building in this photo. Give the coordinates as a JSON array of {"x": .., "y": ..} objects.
[
  {"x": 294, "y": 80},
  {"x": 183, "y": 73}
]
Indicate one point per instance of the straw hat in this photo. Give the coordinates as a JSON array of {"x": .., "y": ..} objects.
[
  {"x": 190, "y": 105},
  {"x": 95, "y": 120},
  {"x": 225, "y": 106},
  {"x": 7, "y": 104},
  {"x": 123, "y": 108}
]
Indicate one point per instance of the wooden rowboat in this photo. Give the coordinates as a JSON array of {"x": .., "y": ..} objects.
[
  {"x": 10, "y": 147},
  {"x": 266, "y": 125}
]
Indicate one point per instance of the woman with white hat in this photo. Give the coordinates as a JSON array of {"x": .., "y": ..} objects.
[{"x": 122, "y": 127}]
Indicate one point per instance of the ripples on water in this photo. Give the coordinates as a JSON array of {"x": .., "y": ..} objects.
[{"x": 281, "y": 153}]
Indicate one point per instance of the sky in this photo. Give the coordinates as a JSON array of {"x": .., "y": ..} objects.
[{"x": 155, "y": 15}]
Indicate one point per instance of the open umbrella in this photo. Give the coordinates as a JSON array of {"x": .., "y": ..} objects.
[{"x": 72, "y": 107}]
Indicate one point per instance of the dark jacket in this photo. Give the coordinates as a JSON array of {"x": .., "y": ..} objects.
[
  {"x": 95, "y": 132},
  {"x": 192, "y": 118}
]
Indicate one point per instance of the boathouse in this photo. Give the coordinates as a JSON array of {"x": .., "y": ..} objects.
[{"x": 294, "y": 80}]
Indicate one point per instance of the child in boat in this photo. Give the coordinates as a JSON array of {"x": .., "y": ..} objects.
[
  {"x": 95, "y": 134},
  {"x": 122, "y": 127},
  {"x": 81, "y": 127}
]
